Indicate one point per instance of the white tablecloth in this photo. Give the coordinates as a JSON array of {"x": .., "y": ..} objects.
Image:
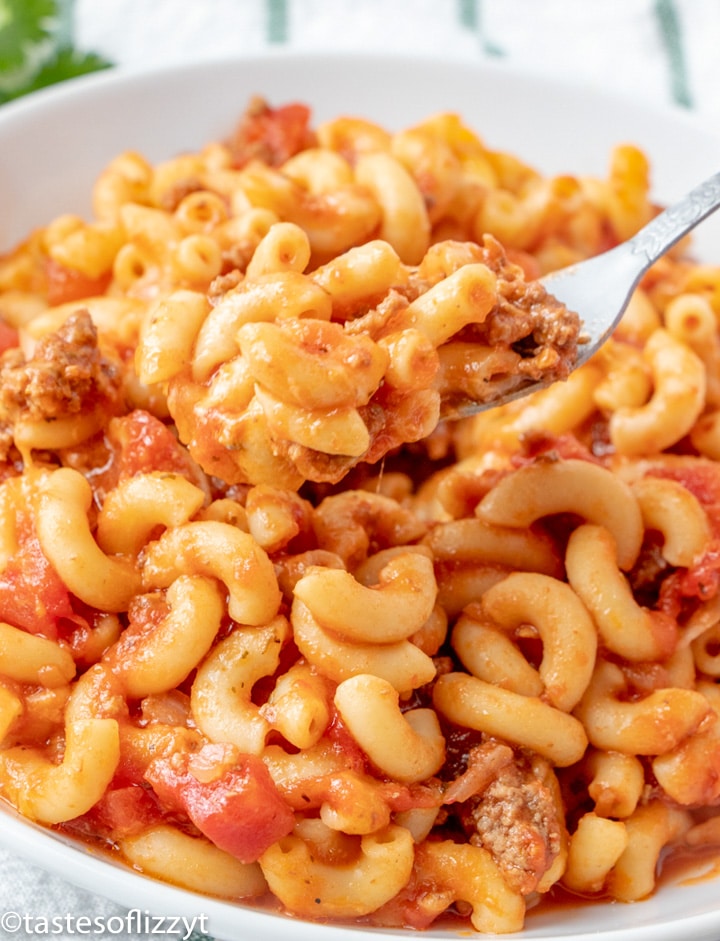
[{"x": 658, "y": 51}]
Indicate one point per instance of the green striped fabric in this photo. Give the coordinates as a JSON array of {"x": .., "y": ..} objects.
[
  {"x": 666, "y": 14},
  {"x": 670, "y": 27}
]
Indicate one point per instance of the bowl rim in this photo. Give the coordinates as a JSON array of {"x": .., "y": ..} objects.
[{"x": 14, "y": 116}]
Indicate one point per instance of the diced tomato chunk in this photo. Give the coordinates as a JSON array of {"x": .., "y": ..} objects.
[
  {"x": 32, "y": 595},
  {"x": 68, "y": 284},
  {"x": 272, "y": 135},
  {"x": 125, "y": 811},
  {"x": 701, "y": 581},
  {"x": 143, "y": 444},
  {"x": 240, "y": 810},
  {"x": 415, "y": 907},
  {"x": 140, "y": 443},
  {"x": 701, "y": 478}
]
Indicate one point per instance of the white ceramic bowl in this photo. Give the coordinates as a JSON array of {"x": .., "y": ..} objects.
[{"x": 54, "y": 143}]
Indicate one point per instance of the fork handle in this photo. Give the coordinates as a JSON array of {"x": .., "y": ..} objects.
[{"x": 669, "y": 226}]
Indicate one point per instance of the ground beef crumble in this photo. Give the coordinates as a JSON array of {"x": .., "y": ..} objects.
[
  {"x": 516, "y": 817},
  {"x": 67, "y": 374}
]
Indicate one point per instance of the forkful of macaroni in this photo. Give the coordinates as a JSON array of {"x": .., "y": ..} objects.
[
  {"x": 301, "y": 371},
  {"x": 599, "y": 289}
]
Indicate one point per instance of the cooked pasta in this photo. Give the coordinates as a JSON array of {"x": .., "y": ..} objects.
[{"x": 272, "y": 628}]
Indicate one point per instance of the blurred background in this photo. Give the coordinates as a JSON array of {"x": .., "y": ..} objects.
[
  {"x": 660, "y": 51},
  {"x": 655, "y": 49}
]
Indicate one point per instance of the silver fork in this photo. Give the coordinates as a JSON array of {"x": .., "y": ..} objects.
[{"x": 599, "y": 289}]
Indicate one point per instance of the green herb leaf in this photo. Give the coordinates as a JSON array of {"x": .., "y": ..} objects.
[
  {"x": 29, "y": 33},
  {"x": 67, "y": 63},
  {"x": 36, "y": 47}
]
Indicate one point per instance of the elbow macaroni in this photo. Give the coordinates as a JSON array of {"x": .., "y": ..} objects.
[{"x": 243, "y": 567}]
